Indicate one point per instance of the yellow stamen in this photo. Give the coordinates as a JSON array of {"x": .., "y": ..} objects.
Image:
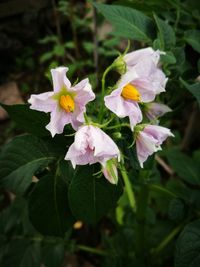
[
  {"x": 67, "y": 103},
  {"x": 130, "y": 92}
]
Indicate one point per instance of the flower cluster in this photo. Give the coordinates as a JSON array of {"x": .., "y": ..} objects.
[{"x": 141, "y": 80}]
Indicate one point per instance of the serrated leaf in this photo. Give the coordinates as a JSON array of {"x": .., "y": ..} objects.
[
  {"x": 184, "y": 166},
  {"x": 188, "y": 246},
  {"x": 166, "y": 34},
  {"x": 20, "y": 159},
  {"x": 48, "y": 206},
  {"x": 194, "y": 89},
  {"x": 192, "y": 37},
  {"x": 128, "y": 22},
  {"x": 91, "y": 197},
  {"x": 31, "y": 121}
]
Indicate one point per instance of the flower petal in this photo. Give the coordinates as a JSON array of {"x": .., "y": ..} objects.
[
  {"x": 103, "y": 144},
  {"x": 59, "y": 118},
  {"x": 145, "y": 146},
  {"x": 42, "y": 102},
  {"x": 78, "y": 158},
  {"x": 59, "y": 79},
  {"x": 84, "y": 92},
  {"x": 134, "y": 57},
  {"x": 123, "y": 107},
  {"x": 155, "y": 110}
]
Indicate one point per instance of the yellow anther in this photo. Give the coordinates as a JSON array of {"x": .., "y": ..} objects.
[
  {"x": 67, "y": 103},
  {"x": 130, "y": 92}
]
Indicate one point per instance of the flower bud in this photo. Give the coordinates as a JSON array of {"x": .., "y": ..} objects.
[
  {"x": 120, "y": 65},
  {"x": 110, "y": 171}
]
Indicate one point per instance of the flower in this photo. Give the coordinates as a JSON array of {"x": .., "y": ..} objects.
[
  {"x": 92, "y": 145},
  {"x": 123, "y": 106},
  {"x": 66, "y": 102},
  {"x": 110, "y": 171},
  {"x": 154, "y": 110},
  {"x": 132, "y": 58},
  {"x": 148, "y": 140},
  {"x": 141, "y": 83}
]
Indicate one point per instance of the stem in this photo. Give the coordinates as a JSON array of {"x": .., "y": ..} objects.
[
  {"x": 92, "y": 250},
  {"x": 73, "y": 27},
  {"x": 118, "y": 126},
  {"x": 128, "y": 187},
  {"x": 141, "y": 219},
  {"x": 103, "y": 80},
  {"x": 57, "y": 21},
  {"x": 166, "y": 240},
  {"x": 142, "y": 203},
  {"x": 95, "y": 41}
]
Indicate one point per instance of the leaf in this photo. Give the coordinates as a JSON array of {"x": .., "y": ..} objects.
[
  {"x": 23, "y": 253},
  {"x": 19, "y": 161},
  {"x": 194, "y": 89},
  {"x": 91, "y": 197},
  {"x": 192, "y": 37},
  {"x": 166, "y": 34},
  {"x": 128, "y": 22},
  {"x": 31, "y": 121},
  {"x": 176, "y": 210},
  {"x": 188, "y": 246},
  {"x": 48, "y": 206},
  {"x": 53, "y": 254},
  {"x": 184, "y": 166}
]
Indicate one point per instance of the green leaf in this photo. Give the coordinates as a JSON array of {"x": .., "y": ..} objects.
[
  {"x": 128, "y": 22},
  {"x": 46, "y": 56},
  {"x": 19, "y": 161},
  {"x": 192, "y": 37},
  {"x": 91, "y": 197},
  {"x": 166, "y": 34},
  {"x": 184, "y": 166},
  {"x": 29, "y": 120},
  {"x": 23, "y": 253},
  {"x": 48, "y": 206},
  {"x": 188, "y": 246},
  {"x": 176, "y": 209},
  {"x": 194, "y": 89},
  {"x": 53, "y": 254}
]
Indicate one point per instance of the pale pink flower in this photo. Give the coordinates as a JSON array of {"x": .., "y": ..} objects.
[
  {"x": 132, "y": 58},
  {"x": 122, "y": 106},
  {"x": 66, "y": 102},
  {"x": 154, "y": 110},
  {"x": 141, "y": 83},
  {"x": 91, "y": 145},
  {"x": 149, "y": 140}
]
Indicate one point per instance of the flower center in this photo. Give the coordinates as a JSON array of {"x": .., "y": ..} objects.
[
  {"x": 130, "y": 92},
  {"x": 67, "y": 103}
]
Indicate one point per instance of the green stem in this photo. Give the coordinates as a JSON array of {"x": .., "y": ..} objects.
[
  {"x": 118, "y": 126},
  {"x": 92, "y": 250},
  {"x": 167, "y": 240},
  {"x": 141, "y": 219},
  {"x": 103, "y": 81},
  {"x": 128, "y": 187}
]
